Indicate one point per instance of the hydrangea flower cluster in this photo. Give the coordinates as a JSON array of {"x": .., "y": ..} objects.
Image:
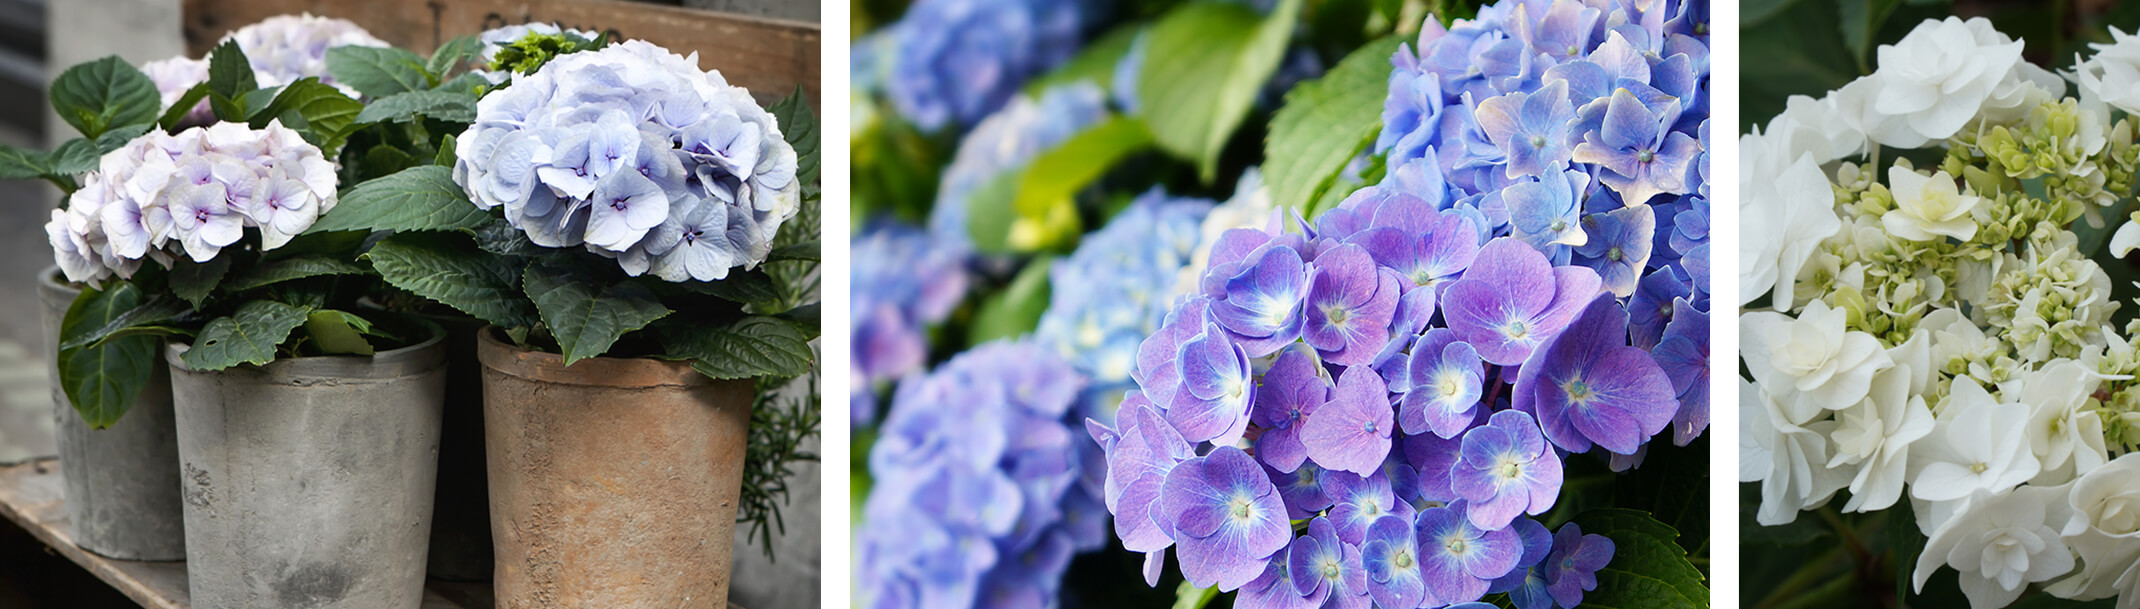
[
  {"x": 163, "y": 196},
  {"x": 1937, "y": 338},
  {"x": 955, "y": 62},
  {"x": 902, "y": 281},
  {"x": 1007, "y": 140},
  {"x": 282, "y": 49},
  {"x": 974, "y": 474},
  {"x": 1115, "y": 290},
  {"x": 1408, "y": 374},
  {"x": 634, "y": 153}
]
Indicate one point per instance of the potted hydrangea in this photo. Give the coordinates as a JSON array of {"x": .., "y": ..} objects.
[
  {"x": 120, "y": 473},
  {"x": 600, "y": 190},
  {"x": 306, "y": 426}
]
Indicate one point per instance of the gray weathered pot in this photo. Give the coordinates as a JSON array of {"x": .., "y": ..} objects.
[
  {"x": 308, "y": 481},
  {"x": 613, "y": 482},
  {"x": 122, "y": 482}
]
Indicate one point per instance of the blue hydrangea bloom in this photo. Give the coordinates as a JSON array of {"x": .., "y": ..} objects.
[
  {"x": 969, "y": 469},
  {"x": 900, "y": 282},
  {"x": 1117, "y": 288},
  {"x": 958, "y": 61}
]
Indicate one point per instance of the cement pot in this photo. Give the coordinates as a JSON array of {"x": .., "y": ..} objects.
[
  {"x": 613, "y": 483},
  {"x": 122, "y": 482},
  {"x": 308, "y": 481}
]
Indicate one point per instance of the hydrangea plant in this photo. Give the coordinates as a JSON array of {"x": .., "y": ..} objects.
[
  {"x": 1429, "y": 365},
  {"x": 1929, "y": 319}
]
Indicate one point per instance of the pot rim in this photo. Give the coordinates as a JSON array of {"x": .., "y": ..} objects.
[
  {"x": 414, "y": 360},
  {"x": 622, "y": 372}
]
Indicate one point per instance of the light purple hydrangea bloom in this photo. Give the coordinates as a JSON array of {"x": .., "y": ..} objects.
[
  {"x": 1589, "y": 387},
  {"x": 1512, "y": 299},
  {"x": 899, "y": 284},
  {"x": 1330, "y": 573},
  {"x": 1573, "y": 566},
  {"x": 1228, "y": 517},
  {"x": 1506, "y": 469},
  {"x": 1461, "y": 559}
]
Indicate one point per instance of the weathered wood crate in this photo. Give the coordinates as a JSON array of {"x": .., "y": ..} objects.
[{"x": 768, "y": 56}]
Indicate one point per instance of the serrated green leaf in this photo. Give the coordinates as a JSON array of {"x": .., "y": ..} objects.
[
  {"x": 800, "y": 127},
  {"x": 1016, "y": 310},
  {"x": 230, "y": 73},
  {"x": 102, "y": 381},
  {"x": 74, "y": 157},
  {"x": 23, "y": 163},
  {"x": 403, "y": 107},
  {"x": 150, "y": 310},
  {"x": 586, "y": 316},
  {"x": 469, "y": 83},
  {"x": 1202, "y": 70},
  {"x": 800, "y": 251},
  {"x": 1324, "y": 124},
  {"x": 194, "y": 281},
  {"x": 744, "y": 287},
  {"x": 446, "y": 155},
  {"x": 377, "y": 71},
  {"x": 96, "y": 96},
  {"x": 501, "y": 238},
  {"x": 327, "y": 112},
  {"x": 336, "y": 333},
  {"x": 417, "y": 198},
  {"x": 753, "y": 347},
  {"x": 448, "y": 268},
  {"x": 1648, "y": 567},
  {"x": 451, "y": 55},
  {"x": 185, "y": 104},
  {"x": 248, "y": 336},
  {"x": 1056, "y": 175},
  {"x": 287, "y": 269}
]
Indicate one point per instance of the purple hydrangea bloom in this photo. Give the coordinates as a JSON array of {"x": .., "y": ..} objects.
[
  {"x": 1651, "y": 307},
  {"x": 1619, "y": 246},
  {"x": 1684, "y": 356},
  {"x": 1349, "y": 306},
  {"x": 1526, "y": 586},
  {"x": 1292, "y": 389},
  {"x": 1216, "y": 388},
  {"x": 1352, "y": 432},
  {"x": 1139, "y": 459},
  {"x": 1461, "y": 559},
  {"x": 1426, "y": 256},
  {"x": 1303, "y": 490},
  {"x": 1512, "y": 299},
  {"x": 1446, "y": 380},
  {"x": 1533, "y": 129},
  {"x": 1227, "y": 517},
  {"x": 1507, "y": 469},
  {"x": 1328, "y": 570},
  {"x": 1573, "y": 566},
  {"x": 1274, "y": 589},
  {"x": 1588, "y": 387},
  {"x": 1547, "y": 211},
  {"x": 1261, "y": 300},
  {"x": 1638, "y": 152},
  {"x": 1358, "y": 502},
  {"x": 1433, "y": 457},
  {"x": 1391, "y": 556}
]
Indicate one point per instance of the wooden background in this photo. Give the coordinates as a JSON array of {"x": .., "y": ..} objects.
[{"x": 768, "y": 56}]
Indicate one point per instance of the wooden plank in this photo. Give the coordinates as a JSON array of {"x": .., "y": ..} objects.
[
  {"x": 771, "y": 57},
  {"x": 33, "y": 496}
]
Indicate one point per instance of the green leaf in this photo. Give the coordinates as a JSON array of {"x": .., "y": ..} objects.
[
  {"x": 990, "y": 214},
  {"x": 448, "y": 268},
  {"x": 1016, "y": 310},
  {"x": 179, "y": 109},
  {"x": 248, "y": 336},
  {"x": 451, "y": 55},
  {"x": 468, "y": 83},
  {"x": 287, "y": 269},
  {"x": 377, "y": 72},
  {"x": 1056, "y": 175},
  {"x": 753, "y": 347},
  {"x": 99, "y": 95},
  {"x": 1324, "y": 124},
  {"x": 585, "y": 316},
  {"x": 328, "y": 113},
  {"x": 799, "y": 126},
  {"x": 1188, "y": 596},
  {"x": 809, "y": 250},
  {"x": 1204, "y": 65},
  {"x": 743, "y": 287},
  {"x": 23, "y": 163},
  {"x": 74, "y": 157},
  {"x": 1860, "y": 20},
  {"x": 1648, "y": 567},
  {"x": 194, "y": 281},
  {"x": 417, "y": 198},
  {"x": 1906, "y": 542},
  {"x": 230, "y": 73},
  {"x": 336, "y": 332},
  {"x": 446, "y": 152},
  {"x": 149, "y": 311},
  {"x": 404, "y": 107},
  {"x": 1094, "y": 63},
  {"x": 102, "y": 381}
]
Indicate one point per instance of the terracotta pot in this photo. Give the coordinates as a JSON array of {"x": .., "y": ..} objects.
[
  {"x": 308, "y": 481},
  {"x": 613, "y": 482},
  {"x": 122, "y": 481}
]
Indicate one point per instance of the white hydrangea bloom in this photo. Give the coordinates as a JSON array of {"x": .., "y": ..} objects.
[
  {"x": 2000, "y": 543},
  {"x": 2104, "y": 530},
  {"x": 1789, "y": 461},
  {"x": 1974, "y": 446},
  {"x": 1929, "y": 207},
  {"x": 1876, "y": 435},
  {"x": 1812, "y": 363},
  {"x": 1783, "y": 218},
  {"x": 1939, "y": 76}
]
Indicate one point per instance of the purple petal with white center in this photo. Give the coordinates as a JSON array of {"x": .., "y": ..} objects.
[
  {"x": 1290, "y": 391},
  {"x": 1506, "y": 470},
  {"x": 1391, "y": 558},
  {"x": 1446, "y": 378},
  {"x": 1587, "y": 386},
  {"x": 1228, "y": 516}
]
